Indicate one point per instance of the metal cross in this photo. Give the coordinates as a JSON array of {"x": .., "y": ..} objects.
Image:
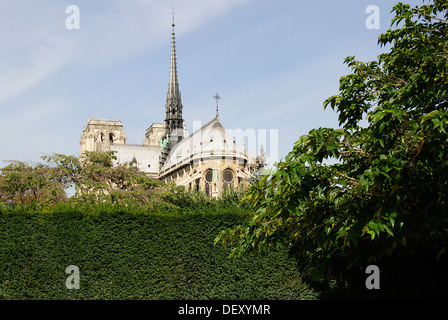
[{"x": 216, "y": 97}]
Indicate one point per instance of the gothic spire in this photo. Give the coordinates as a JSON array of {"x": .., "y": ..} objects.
[
  {"x": 173, "y": 89},
  {"x": 173, "y": 106},
  {"x": 174, "y": 122}
]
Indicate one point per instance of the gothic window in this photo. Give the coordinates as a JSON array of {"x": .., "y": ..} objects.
[
  {"x": 208, "y": 182},
  {"x": 197, "y": 181},
  {"x": 227, "y": 178},
  {"x": 111, "y": 138}
]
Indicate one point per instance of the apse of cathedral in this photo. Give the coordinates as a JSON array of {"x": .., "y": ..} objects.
[{"x": 207, "y": 160}]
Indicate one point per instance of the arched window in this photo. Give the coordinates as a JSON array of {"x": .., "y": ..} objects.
[
  {"x": 227, "y": 179},
  {"x": 111, "y": 138},
  {"x": 197, "y": 182},
  {"x": 208, "y": 182}
]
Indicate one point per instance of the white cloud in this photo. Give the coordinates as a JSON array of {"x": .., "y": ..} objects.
[
  {"x": 38, "y": 44},
  {"x": 31, "y": 66}
]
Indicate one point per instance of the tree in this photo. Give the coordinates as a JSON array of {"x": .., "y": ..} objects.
[
  {"x": 386, "y": 193},
  {"x": 22, "y": 183},
  {"x": 97, "y": 179}
]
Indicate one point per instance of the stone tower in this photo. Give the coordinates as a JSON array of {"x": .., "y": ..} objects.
[{"x": 100, "y": 135}]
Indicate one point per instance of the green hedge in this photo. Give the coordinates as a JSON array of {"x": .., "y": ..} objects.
[{"x": 136, "y": 255}]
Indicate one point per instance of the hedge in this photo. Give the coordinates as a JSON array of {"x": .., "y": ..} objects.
[{"x": 136, "y": 255}]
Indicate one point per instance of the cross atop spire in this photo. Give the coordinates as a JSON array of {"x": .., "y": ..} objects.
[{"x": 217, "y": 98}]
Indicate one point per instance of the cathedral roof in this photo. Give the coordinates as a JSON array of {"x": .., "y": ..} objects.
[{"x": 210, "y": 140}]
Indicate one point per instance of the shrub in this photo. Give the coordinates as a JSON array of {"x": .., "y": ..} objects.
[{"x": 131, "y": 253}]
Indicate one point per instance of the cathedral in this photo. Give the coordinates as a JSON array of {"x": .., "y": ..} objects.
[{"x": 208, "y": 159}]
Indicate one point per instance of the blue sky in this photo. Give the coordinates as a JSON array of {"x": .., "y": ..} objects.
[{"x": 272, "y": 62}]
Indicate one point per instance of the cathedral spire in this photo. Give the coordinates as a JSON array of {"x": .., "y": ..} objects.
[
  {"x": 173, "y": 87},
  {"x": 173, "y": 107},
  {"x": 174, "y": 122}
]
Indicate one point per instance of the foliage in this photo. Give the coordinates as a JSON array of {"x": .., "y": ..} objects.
[
  {"x": 95, "y": 177},
  {"x": 358, "y": 194},
  {"x": 22, "y": 183},
  {"x": 99, "y": 182},
  {"x": 129, "y": 253},
  {"x": 131, "y": 236}
]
